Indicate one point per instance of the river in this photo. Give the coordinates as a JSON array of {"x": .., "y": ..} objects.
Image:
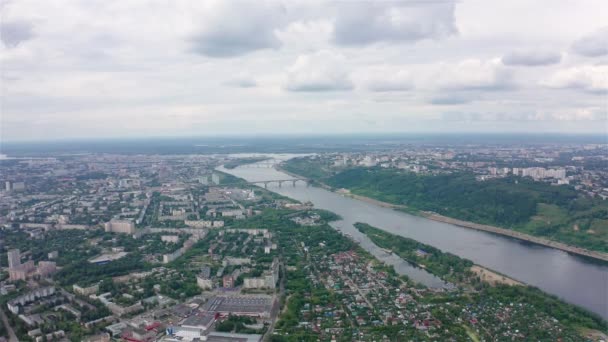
[{"x": 574, "y": 279}]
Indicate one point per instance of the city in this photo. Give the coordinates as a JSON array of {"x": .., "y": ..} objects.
[
  {"x": 303, "y": 171},
  {"x": 105, "y": 247}
]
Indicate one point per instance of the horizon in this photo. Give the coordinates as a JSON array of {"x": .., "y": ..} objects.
[
  {"x": 283, "y": 143},
  {"x": 363, "y": 134}
]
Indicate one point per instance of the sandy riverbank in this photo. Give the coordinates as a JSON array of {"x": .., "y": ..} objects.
[{"x": 493, "y": 278}]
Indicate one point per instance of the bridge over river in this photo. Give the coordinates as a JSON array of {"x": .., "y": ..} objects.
[
  {"x": 293, "y": 181},
  {"x": 573, "y": 278}
]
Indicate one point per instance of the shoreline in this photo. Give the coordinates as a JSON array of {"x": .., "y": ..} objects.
[
  {"x": 472, "y": 225},
  {"x": 520, "y": 236}
]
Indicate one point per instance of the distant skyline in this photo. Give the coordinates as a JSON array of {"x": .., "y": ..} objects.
[{"x": 103, "y": 69}]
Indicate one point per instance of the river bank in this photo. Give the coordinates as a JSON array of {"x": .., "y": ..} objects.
[
  {"x": 467, "y": 224},
  {"x": 549, "y": 269},
  {"x": 520, "y": 236}
]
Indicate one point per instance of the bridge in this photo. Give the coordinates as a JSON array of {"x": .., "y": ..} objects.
[
  {"x": 280, "y": 182},
  {"x": 265, "y": 183}
]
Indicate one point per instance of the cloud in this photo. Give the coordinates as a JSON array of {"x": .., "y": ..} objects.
[
  {"x": 581, "y": 114},
  {"x": 242, "y": 81},
  {"x": 13, "y": 33},
  {"x": 88, "y": 63},
  {"x": 531, "y": 58},
  {"x": 387, "y": 79},
  {"x": 590, "y": 78},
  {"x": 366, "y": 22},
  {"x": 594, "y": 44},
  {"x": 306, "y": 34},
  {"x": 568, "y": 115},
  {"x": 474, "y": 74},
  {"x": 320, "y": 71},
  {"x": 236, "y": 28},
  {"x": 449, "y": 100}
]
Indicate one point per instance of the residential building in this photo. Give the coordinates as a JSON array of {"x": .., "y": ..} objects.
[
  {"x": 46, "y": 268},
  {"x": 120, "y": 226},
  {"x": 86, "y": 290},
  {"x": 14, "y": 258},
  {"x": 15, "y": 304}
]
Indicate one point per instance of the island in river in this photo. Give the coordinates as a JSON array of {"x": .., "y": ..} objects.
[{"x": 554, "y": 271}]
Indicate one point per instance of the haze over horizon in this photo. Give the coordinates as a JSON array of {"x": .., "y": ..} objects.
[{"x": 108, "y": 69}]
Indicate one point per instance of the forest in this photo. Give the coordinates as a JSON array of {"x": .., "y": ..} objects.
[{"x": 537, "y": 208}]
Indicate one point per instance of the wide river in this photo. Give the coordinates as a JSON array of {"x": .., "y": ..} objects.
[{"x": 572, "y": 278}]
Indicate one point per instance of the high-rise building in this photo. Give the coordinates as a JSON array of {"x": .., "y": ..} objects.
[
  {"x": 120, "y": 226},
  {"x": 204, "y": 179},
  {"x": 14, "y": 258},
  {"x": 18, "y": 186},
  {"x": 21, "y": 272},
  {"x": 215, "y": 178}
]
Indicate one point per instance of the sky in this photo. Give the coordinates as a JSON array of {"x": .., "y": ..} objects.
[{"x": 102, "y": 68}]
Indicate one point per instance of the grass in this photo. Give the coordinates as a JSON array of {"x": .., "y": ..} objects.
[
  {"x": 586, "y": 228},
  {"x": 547, "y": 215}
]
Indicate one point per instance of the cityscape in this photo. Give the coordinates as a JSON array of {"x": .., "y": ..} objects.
[
  {"x": 181, "y": 247},
  {"x": 303, "y": 171}
]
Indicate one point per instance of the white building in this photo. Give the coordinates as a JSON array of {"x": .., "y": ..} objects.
[
  {"x": 15, "y": 304},
  {"x": 204, "y": 223},
  {"x": 120, "y": 226},
  {"x": 267, "y": 280},
  {"x": 85, "y": 291},
  {"x": 14, "y": 258},
  {"x": 203, "y": 282},
  {"x": 169, "y": 238}
]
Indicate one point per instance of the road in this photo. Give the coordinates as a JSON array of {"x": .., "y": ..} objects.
[
  {"x": 11, "y": 334},
  {"x": 274, "y": 315}
]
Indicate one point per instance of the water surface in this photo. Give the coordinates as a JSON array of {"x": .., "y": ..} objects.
[{"x": 575, "y": 279}]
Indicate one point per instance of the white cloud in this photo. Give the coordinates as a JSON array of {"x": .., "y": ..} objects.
[
  {"x": 474, "y": 74},
  {"x": 386, "y": 79},
  {"x": 306, "y": 34},
  {"x": 594, "y": 44},
  {"x": 590, "y": 78},
  {"x": 581, "y": 114},
  {"x": 242, "y": 81},
  {"x": 12, "y": 33},
  {"x": 566, "y": 115},
  {"x": 78, "y": 67},
  {"x": 531, "y": 58},
  {"x": 449, "y": 99},
  {"x": 366, "y": 22},
  {"x": 320, "y": 71},
  {"x": 235, "y": 28}
]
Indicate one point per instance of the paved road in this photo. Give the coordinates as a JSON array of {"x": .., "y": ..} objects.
[
  {"x": 276, "y": 308},
  {"x": 11, "y": 334}
]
